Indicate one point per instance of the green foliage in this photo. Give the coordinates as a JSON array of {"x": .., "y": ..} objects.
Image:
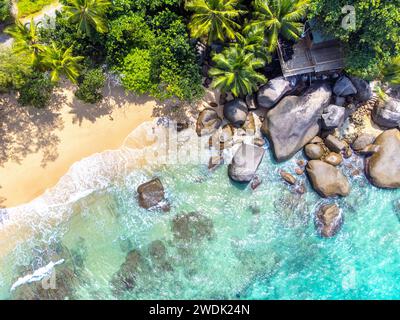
[
  {"x": 126, "y": 32},
  {"x": 88, "y": 15},
  {"x": 26, "y": 40},
  {"x": 64, "y": 34},
  {"x": 5, "y": 13},
  {"x": 61, "y": 62},
  {"x": 143, "y": 7},
  {"x": 28, "y": 7},
  {"x": 279, "y": 17},
  {"x": 376, "y": 38},
  {"x": 162, "y": 61},
  {"x": 91, "y": 85},
  {"x": 391, "y": 72},
  {"x": 214, "y": 19},
  {"x": 136, "y": 74},
  {"x": 14, "y": 70},
  {"x": 253, "y": 41},
  {"x": 36, "y": 91},
  {"x": 235, "y": 71}
]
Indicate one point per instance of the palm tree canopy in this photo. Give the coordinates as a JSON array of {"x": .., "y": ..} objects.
[
  {"x": 26, "y": 39},
  {"x": 60, "y": 61},
  {"x": 391, "y": 72},
  {"x": 88, "y": 14},
  {"x": 280, "y": 17},
  {"x": 235, "y": 71},
  {"x": 214, "y": 19},
  {"x": 252, "y": 40}
]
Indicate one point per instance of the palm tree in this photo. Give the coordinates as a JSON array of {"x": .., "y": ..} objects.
[
  {"x": 280, "y": 17},
  {"x": 88, "y": 14},
  {"x": 391, "y": 72},
  {"x": 26, "y": 40},
  {"x": 59, "y": 62},
  {"x": 252, "y": 41},
  {"x": 214, "y": 19},
  {"x": 235, "y": 71}
]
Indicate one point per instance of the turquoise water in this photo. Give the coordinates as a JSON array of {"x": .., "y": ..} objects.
[{"x": 263, "y": 243}]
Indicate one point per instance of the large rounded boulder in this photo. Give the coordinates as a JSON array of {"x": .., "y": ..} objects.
[
  {"x": 150, "y": 193},
  {"x": 387, "y": 114},
  {"x": 329, "y": 220},
  {"x": 270, "y": 94},
  {"x": 383, "y": 167},
  {"x": 208, "y": 122},
  {"x": 295, "y": 121},
  {"x": 235, "y": 112},
  {"x": 364, "y": 91},
  {"x": 245, "y": 163},
  {"x": 344, "y": 87},
  {"x": 327, "y": 180},
  {"x": 333, "y": 117}
]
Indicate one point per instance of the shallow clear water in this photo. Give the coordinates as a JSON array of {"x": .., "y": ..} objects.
[{"x": 263, "y": 244}]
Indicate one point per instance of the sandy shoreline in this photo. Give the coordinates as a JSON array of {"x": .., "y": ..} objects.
[{"x": 65, "y": 133}]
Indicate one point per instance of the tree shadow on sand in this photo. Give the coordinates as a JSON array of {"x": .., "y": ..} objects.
[{"x": 26, "y": 130}]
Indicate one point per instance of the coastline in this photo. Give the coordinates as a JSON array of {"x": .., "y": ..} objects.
[{"x": 77, "y": 137}]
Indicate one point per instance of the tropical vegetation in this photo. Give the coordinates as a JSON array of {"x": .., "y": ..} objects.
[
  {"x": 171, "y": 49},
  {"x": 5, "y": 11},
  {"x": 28, "y": 7}
]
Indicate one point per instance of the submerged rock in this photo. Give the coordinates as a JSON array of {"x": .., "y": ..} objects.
[
  {"x": 333, "y": 117},
  {"x": 383, "y": 167},
  {"x": 245, "y": 163},
  {"x": 192, "y": 226},
  {"x": 327, "y": 180},
  {"x": 236, "y": 112},
  {"x": 295, "y": 121},
  {"x": 208, "y": 122},
  {"x": 159, "y": 255},
  {"x": 387, "y": 114},
  {"x": 344, "y": 87},
  {"x": 126, "y": 277},
  {"x": 150, "y": 193},
  {"x": 329, "y": 220},
  {"x": 287, "y": 177},
  {"x": 270, "y": 94}
]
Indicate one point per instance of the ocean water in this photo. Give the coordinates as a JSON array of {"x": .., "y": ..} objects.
[{"x": 259, "y": 244}]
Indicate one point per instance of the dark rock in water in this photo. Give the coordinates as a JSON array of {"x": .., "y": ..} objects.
[
  {"x": 270, "y": 94},
  {"x": 236, "y": 112},
  {"x": 251, "y": 102},
  {"x": 334, "y": 159},
  {"x": 364, "y": 91},
  {"x": 159, "y": 255},
  {"x": 383, "y": 167},
  {"x": 314, "y": 151},
  {"x": 208, "y": 122},
  {"x": 64, "y": 287},
  {"x": 294, "y": 122},
  {"x": 327, "y": 180},
  {"x": 329, "y": 220},
  {"x": 387, "y": 114},
  {"x": 287, "y": 177},
  {"x": 126, "y": 277},
  {"x": 192, "y": 226},
  {"x": 255, "y": 183},
  {"x": 344, "y": 87},
  {"x": 301, "y": 188},
  {"x": 362, "y": 141},
  {"x": 334, "y": 144},
  {"x": 245, "y": 163},
  {"x": 150, "y": 193},
  {"x": 333, "y": 117}
]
